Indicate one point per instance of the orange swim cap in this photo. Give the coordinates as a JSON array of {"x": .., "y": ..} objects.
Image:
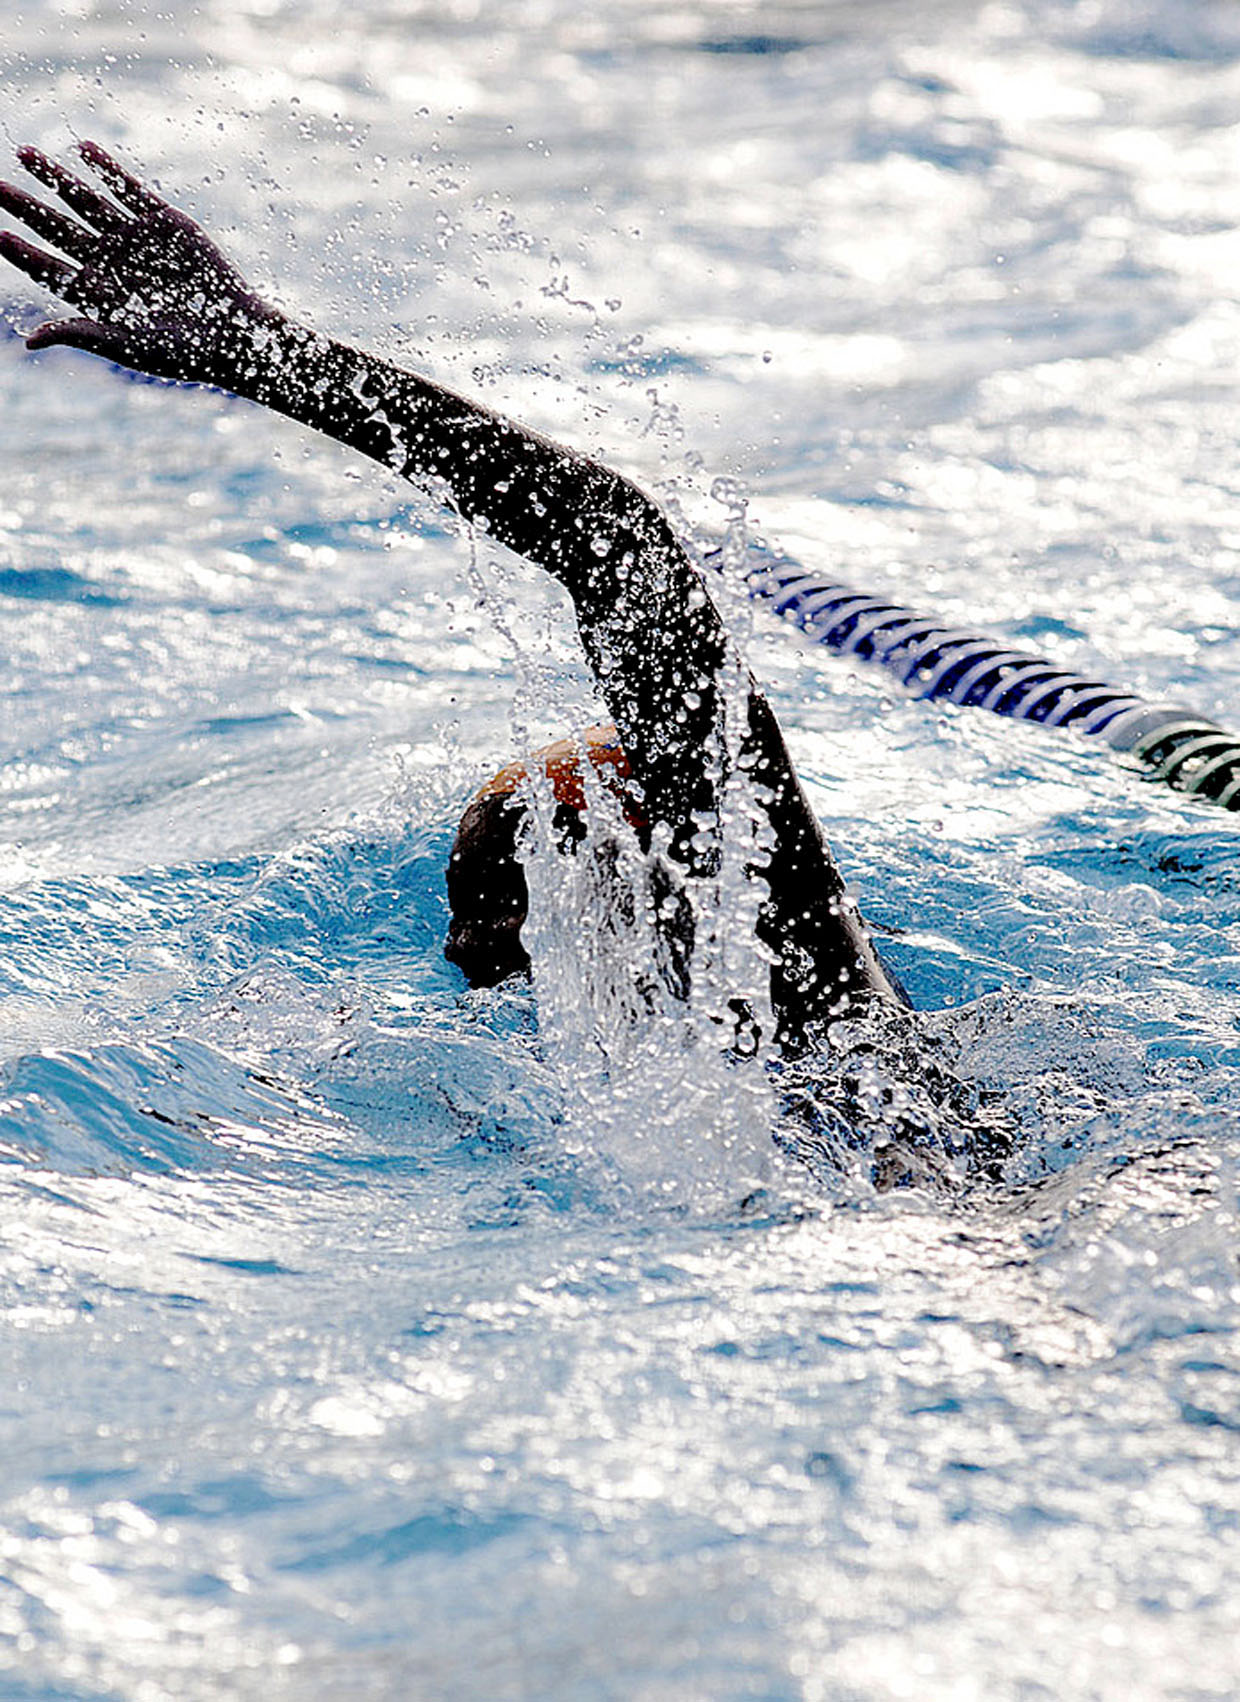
[{"x": 561, "y": 763}]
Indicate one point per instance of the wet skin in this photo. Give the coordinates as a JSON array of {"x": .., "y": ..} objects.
[{"x": 152, "y": 292}]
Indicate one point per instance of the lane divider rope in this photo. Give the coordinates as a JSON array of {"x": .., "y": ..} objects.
[{"x": 1183, "y": 750}]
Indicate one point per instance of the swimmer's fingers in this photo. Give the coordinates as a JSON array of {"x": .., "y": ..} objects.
[
  {"x": 86, "y": 202},
  {"x": 130, "y": 191},
  {"x": 55, "y": 275},
  {"x": 57, "y": 228}
]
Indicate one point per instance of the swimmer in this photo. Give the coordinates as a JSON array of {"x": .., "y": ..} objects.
[{"x": 152, "y": 292}]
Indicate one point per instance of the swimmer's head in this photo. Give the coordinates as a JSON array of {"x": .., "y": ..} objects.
[{"x": 486, "y": 881}]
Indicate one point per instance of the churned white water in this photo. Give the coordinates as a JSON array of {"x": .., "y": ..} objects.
[{"x": 367, "y": 1337}]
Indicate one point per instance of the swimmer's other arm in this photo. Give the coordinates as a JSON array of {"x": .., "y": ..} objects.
[{"x": 155, "y": 294}]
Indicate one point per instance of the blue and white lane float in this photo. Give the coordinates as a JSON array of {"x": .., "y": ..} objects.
[{"x": 952, "y": 665}]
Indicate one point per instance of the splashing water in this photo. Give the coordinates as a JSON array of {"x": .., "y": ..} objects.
[{"x": 655, "y": 1084}]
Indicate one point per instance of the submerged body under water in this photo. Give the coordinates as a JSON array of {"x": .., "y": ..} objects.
[{"x": 366, "y": 1336}]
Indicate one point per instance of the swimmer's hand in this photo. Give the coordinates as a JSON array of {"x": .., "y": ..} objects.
[{"x": 154, "y": 292}]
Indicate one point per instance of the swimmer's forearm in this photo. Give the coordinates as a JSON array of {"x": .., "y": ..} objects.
[{"x": 571, "y": 515}]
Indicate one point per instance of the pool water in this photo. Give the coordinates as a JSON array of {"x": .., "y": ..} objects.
[{"x": 368, "y": 1337}]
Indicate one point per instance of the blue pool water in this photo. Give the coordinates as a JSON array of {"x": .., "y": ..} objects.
[{"x": 366, "y": 1337}]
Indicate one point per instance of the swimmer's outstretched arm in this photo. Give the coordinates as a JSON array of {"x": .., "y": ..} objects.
[{"x": 155, "y": 294}]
